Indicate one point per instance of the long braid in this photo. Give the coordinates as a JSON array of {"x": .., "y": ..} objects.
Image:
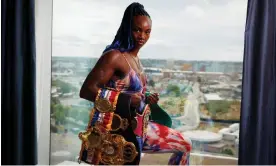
[{"x": 123, "y": 40}]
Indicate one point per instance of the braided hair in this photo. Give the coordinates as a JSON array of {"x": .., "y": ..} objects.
[{"x": 123, "y": 40}]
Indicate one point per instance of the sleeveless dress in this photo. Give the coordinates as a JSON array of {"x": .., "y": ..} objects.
[{"x": 159, "y": 138}]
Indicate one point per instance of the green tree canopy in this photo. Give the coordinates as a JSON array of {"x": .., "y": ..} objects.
[
  {"x": 64, "y": 86},
  {"x": 173, "y": 89},
  {"x": 151, "y": 83}
]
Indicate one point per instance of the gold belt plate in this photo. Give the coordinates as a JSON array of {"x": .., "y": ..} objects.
[
  {"x": 103, "y": 105},
  {"x": 113, "y": 148},
  {"x": 119, "y": 123}
]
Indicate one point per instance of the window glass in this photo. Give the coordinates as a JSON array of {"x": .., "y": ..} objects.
[{"x": 193, "y": 59}]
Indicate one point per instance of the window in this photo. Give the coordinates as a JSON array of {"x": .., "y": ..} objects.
[{"x": 193, "y": 59}]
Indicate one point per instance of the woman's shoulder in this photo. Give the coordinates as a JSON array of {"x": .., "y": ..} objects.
[
  {"x": 112, "y": 54},
  {"x": 112, "y": 57}
]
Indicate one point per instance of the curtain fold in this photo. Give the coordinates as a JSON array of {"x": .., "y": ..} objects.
[
  {"x": 18, "y": 108},
  {"x": 258, "y": 110}
]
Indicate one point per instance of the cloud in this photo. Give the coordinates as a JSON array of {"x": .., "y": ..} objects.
[{"x": 189, "y": 29}]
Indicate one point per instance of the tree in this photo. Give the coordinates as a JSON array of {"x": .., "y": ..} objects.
[
  {"x": 173, "y": 89},
  {"x": 151, "y": 83},
  {"x": 53, "y": 129},
  {"x": 182, "y": 104},
  {"x": 55, "y": 100},
  {"x": 227, "y": 151},
  {"x": 64, "y": 86},
  {"x": 59, "y": 116},
  {"x": 199, "y": 79},
  {"x": 220, "y": 106},
  {"x": 60, "y": 113}
]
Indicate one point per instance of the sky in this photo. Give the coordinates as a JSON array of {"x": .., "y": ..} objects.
[{"x": 181, "y": 29}]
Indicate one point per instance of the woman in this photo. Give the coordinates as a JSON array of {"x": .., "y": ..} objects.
[{"x": 117, "y": 81}]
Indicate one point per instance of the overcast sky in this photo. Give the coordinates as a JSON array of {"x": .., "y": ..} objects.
[{"x": 182, "y": 29}]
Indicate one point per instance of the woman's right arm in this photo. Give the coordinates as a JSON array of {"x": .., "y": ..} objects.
[{"x": 100, "y": 75}]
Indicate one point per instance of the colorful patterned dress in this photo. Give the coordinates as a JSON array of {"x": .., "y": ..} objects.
[{"x": 159, "y": 138}]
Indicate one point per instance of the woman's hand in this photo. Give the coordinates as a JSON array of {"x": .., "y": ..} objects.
[
  {"x": 136, "y": 99},
  {"x": 153, "y": 98}
]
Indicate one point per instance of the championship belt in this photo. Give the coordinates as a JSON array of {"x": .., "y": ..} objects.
[
  {"x": 99, "y": 145},
  {"x": 140, "y": 122}
]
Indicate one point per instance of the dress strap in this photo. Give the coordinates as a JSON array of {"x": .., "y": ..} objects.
[{"x": 127, "y": 61}]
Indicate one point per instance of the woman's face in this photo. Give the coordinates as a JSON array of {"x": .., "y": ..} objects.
[{"x": 141, "y": 30}]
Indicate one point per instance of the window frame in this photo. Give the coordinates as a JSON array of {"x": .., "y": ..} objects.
[{"x": 43, "y": 35}]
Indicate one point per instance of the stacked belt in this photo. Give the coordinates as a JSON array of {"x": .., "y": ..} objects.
[{"x": 100, "y": 144}]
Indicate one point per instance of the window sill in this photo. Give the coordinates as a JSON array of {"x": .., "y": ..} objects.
[
  {"x": 209, "y": 159},
  {"x": 195, "y": 159}
]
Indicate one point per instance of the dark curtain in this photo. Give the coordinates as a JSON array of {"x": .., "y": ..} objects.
[
  {"x": 258, "y": 111},
  {"x": 18, "y": 108}
]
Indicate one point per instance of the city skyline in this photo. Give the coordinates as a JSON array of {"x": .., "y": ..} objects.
[
  {"x": 84, "y": 28},
  {"x": 197, "y": 66},
  {"x": 148, "y": 58}
]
